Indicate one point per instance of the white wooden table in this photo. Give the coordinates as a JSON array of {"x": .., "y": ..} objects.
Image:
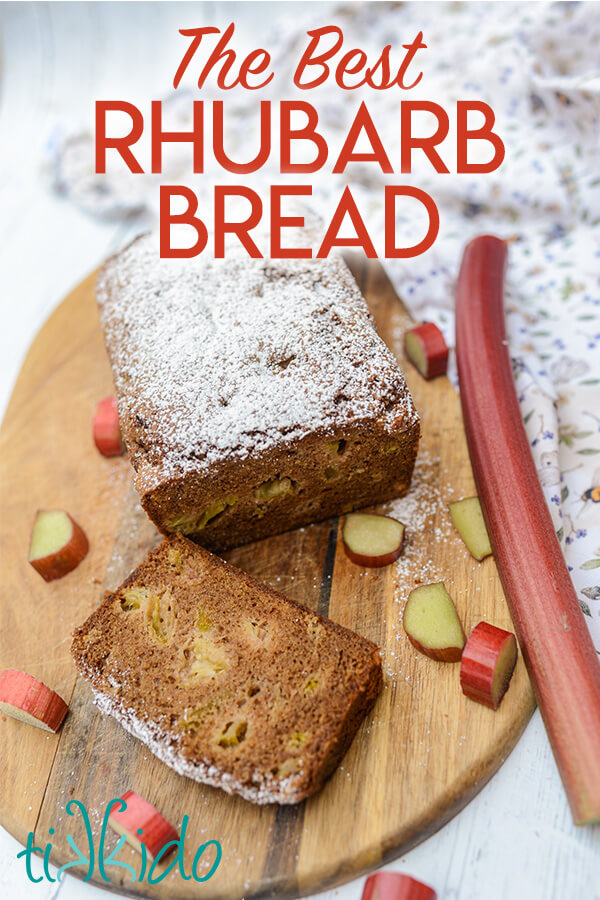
[{"x": 515, "y": 839}]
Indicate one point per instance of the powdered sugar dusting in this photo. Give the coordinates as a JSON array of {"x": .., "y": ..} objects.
[
  {"x": 423, "y": 511},
  {"x": 218, "y": 359},
  {"x": 266, "y": 789}
]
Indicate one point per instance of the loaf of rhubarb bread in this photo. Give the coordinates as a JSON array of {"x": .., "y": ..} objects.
[
  {"x": 227, "y": 681},
  {"x": 255, "y": 396}
]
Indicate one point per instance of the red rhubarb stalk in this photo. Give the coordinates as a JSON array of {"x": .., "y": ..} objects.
[
  {"x": 487, "y": 664},
  {"x": 106, "y": 428},
  {"x": 426, "y": 348},
  {"x": 25, "y": 698},
  {"x": 556, "y": 644},
  {"x": 396, "y": 886},
  {"x": 141, "y": 823}
]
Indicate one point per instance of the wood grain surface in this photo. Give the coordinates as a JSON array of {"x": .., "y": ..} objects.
[{"x": 417, "y": 759}]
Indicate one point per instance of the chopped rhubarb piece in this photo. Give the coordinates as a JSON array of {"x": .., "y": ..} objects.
[
  {"x": 427, "y": 350},
  {"x": 58, "y": 544},
  {"x": 25, "y": 698},
  {"x": 487, "y": 664},
  {"x": 106, "y": 428},
  {"x": 469, "y": 522},
  {"x": 141, "y": 823},
  {"x": 372, "y": 540},
  {"x": 396, "y": 886},
  {"x": 432, "y": 624}
]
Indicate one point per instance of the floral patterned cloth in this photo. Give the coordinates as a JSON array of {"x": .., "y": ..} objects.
[{"x": 538, "y": 66}]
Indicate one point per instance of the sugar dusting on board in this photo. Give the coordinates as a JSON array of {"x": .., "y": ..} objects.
[
  {"x": 229, "y": 358},
  {"x": 423, "y": 512}
]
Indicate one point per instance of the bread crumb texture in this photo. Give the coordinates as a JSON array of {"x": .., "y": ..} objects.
[{"x": 227, "y": 681}]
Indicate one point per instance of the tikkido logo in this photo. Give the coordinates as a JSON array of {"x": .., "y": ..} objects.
[{"x": 90, "y": 857}]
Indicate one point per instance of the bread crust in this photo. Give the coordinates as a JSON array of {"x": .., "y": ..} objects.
[
  {"x": 237, "y": 381},
  {"x": 266, "y": 710}
]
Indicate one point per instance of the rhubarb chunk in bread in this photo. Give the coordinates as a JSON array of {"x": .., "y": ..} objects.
[
  {"x": 227, "y": 681},
  {"x": 255, "y": 396}
]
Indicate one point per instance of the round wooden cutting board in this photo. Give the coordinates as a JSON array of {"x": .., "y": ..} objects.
[{"x": 422, "y": 753}]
